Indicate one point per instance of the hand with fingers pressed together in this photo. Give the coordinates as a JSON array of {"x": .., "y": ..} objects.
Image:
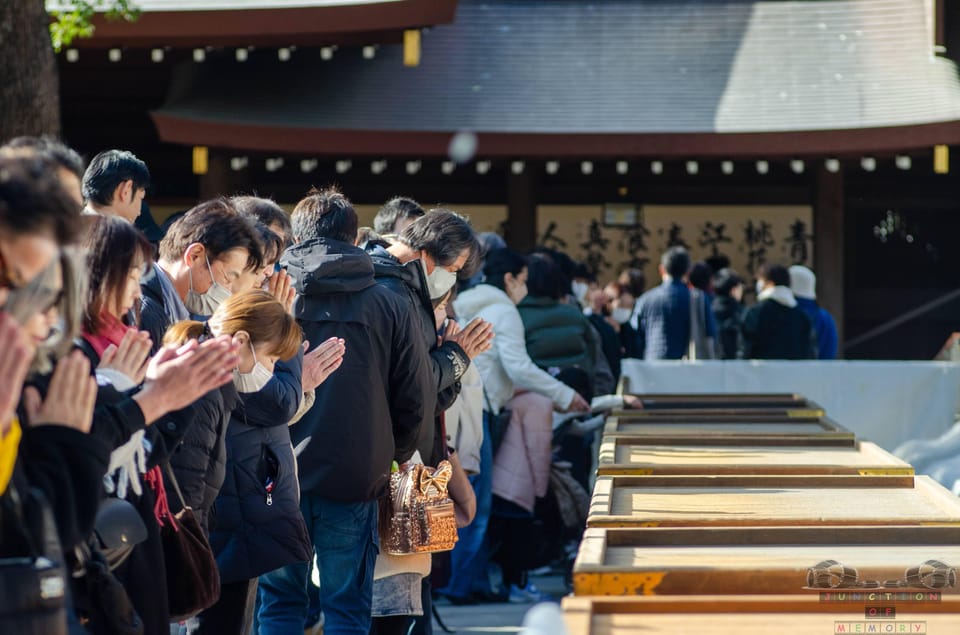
[
  {"x": 131, "y": 357},
  {"x": 475, "y": 338},
  {"x": 70, "y": 398},
  {"x": 321, "y": 362}
]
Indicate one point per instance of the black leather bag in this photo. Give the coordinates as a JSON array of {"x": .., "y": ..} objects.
[
  {"x": 499, "y": 421},
  {"x": 32, "y": 586},
  {"x": 100, "y": 601},
  {"x": 193, "y": 581}
]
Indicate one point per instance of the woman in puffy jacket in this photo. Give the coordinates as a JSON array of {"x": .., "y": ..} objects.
[{"x": 257, "y": 526}]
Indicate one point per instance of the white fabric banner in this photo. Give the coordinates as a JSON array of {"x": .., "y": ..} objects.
[{"x": 884, "y": 402}]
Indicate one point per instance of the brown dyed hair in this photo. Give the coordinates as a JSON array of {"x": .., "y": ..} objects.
[{"x": 258, "y": 313}]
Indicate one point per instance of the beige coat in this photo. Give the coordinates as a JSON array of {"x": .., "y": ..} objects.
[{"x": 521, "y": 468}]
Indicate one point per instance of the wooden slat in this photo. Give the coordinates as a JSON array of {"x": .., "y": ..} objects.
[
  {"x": 620, "y": 502},
  {"x": 622, "y": 456},
  {"x": 806, "y": 411},
  {"x": 783, "y": 615},
  {"x": 787, "y": 432},
  {"x": 753, "y": 560},
  {"x": 662, "y": 401}
]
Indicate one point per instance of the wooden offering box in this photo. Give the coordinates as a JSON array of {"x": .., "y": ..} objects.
[
  {"x": 719, "y": 401},
  {"x": 764, "y": 501},
  {"x": 623, "y": 456},
  {"x": 764, "y": 560},
  {"x": 737, "y": 431},
  {"x": 782, "y": 615}
]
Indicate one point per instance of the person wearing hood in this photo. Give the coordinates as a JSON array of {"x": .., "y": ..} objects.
[
  {"x": 775, "y": 327},
  {"x": 803, "y": 283},
  {"x": 365, "y": 416},
  {"x": 422, "y": 265}
]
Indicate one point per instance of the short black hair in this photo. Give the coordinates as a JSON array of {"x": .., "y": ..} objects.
[
  {"x": 108, "y": 170},
  {"x": 324, "y": 214},
  {"x": 32, "y": 199},
  {"x": 499, "y": 263},
  {"x": 444, "y": 235},
  {"x": 217, "y": 226},
  {"x": 777, "y": 274},
  {"x": 676, "y": 262},
  {"x": 271, "y": 244},
  {"x": 725, "y": 281},
  {"x": 545, "y": 278},
  {"x": 396, "y": 208},
  {"x": 266, "y": 211},
  {"x": 62, "y": 155},
  {"x": 700, "y": 276}
]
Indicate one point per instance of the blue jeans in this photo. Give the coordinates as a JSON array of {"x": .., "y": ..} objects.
[
  {"x": 346, "y": 541},
  {"x": 469, "y": 560}
]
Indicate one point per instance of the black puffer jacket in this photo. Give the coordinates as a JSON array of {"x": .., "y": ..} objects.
[
  {"x": 373, "y": 407},
  {"x": 448, "y": 361},
  {"x": 200, "y": 461},
  {"x": 257, "y": 530}
]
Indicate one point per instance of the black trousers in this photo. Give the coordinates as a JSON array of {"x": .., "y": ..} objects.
[{"x": 233, "y": 612}]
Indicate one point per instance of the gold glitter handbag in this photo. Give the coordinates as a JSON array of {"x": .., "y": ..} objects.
[{"x": 422, "y": 518}]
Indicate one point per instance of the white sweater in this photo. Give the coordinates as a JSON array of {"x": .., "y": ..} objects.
[{"x": 507, "y": 367}]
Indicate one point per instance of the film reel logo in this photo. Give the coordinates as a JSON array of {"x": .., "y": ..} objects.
[{"x": 932, "y": 574}]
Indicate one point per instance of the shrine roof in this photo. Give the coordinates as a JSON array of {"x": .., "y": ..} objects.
[
  {"x": 602, "y": 78},
  {"x": 198, "y": 23}
]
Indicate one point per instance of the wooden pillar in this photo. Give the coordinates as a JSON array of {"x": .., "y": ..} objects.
[
  {"x": 829, "y": 239},
  {"x": 523, "y": 195}
]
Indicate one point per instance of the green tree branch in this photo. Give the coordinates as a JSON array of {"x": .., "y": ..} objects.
[{"x": 74, "y": 19}]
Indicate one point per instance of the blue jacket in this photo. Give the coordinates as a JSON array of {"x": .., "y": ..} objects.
[
  {"x": 662, "y": 320},
  {"x": 824, "y": 325},
  {"x": 256, "y": 531}
]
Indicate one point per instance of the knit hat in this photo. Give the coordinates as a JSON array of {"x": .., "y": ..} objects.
[{"x": 803, "y": 282}]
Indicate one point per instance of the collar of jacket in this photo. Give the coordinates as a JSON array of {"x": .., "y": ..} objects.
[
  {"x": 386, "y": 264},
  {"x": 780, "y": 295},
  {"x": 323, "y": 266}
]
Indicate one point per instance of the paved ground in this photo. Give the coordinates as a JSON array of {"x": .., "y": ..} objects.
[{"x": 494, "y": 618}]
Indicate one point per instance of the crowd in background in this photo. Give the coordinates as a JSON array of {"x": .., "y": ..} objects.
[{"x": 267, "y": 372}]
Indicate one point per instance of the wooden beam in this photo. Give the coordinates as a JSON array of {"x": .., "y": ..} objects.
[
  {"x": 523, "y": 196},
  {"x": 829, "y": 239}
]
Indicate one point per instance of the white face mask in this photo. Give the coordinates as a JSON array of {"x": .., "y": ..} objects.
[
  {"x": 759, "y": 287},
  {"x": 439, "y": 282},
  {"x": 621, "y": 315},
  {"x": 255, "y": 380},
  {"x": 206, "y": 303},
  {"x": 580, "y": 290}
]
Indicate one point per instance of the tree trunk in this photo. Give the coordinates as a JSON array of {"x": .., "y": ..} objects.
[{"x": 30, "y": 93}]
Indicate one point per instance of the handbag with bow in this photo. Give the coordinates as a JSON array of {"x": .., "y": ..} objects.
[{"x": 422, "y": 518}]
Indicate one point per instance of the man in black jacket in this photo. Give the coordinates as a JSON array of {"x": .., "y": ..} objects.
[
  {"x": 367, "y": 414},
  {"x": 774, "y": 327},
  {"x": 422, "y": 266}
]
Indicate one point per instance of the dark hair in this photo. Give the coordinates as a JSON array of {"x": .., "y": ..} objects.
[
  {"x": 33, "y": 200},
  {"x": 217, "y": 226},
  {"x": 114, "y": 247},
  {"x": 725, "y": 281},
  {"x": 700, "y": 276},
  {"x": 444, "y": 235},
  {"x": 108, "y": 170},
  {"x": 545, "y": 278},
  {"x": 633, "y": 280},
  {"x": 676, "y": 262},
  {"x": 271, "y": 244},
  {"x": 396, "y": 208},
  {"x": 499, "y": 263},
  {"x": 267, "y": 212},
  {"x": 324, "y": 214},
  {"x": 62, "y": 155},
  {"x": 777, "y": 274}
]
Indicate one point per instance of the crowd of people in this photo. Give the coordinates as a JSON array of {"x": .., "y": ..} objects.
[{"x": 261, "y": 375}]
